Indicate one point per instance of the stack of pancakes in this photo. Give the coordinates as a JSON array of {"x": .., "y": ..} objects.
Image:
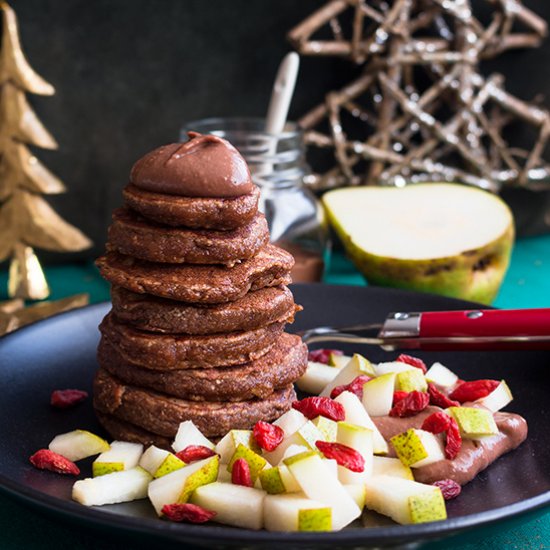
[{"x": 196, "y": 331}]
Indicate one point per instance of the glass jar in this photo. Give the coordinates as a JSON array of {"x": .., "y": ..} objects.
[{"x": 297, "y": 221}]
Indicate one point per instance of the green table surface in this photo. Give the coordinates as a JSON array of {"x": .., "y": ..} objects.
[{"x": 527, "y": 284}]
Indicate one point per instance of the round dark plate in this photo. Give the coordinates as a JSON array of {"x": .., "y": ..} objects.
[{"x": 60, "y": 353}]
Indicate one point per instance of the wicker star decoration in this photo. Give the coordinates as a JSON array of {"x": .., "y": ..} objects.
[{"x": 421, "y": 110}]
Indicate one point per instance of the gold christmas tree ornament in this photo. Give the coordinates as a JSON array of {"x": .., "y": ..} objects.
[{"x": 27, "y": 221}]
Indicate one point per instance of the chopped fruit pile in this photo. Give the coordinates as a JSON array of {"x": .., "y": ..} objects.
[{"x": 317, "y": 467}]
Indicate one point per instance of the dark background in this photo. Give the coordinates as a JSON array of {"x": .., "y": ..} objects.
[{"x": 129, "y": 73}]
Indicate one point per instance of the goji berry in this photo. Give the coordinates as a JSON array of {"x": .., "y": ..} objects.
[
  {"x": 240, "y": 473},
  {"x": 44, "y": 459},
  {"x": 449, "y": 488},
  {"x": 439, "y": 399},
  {"x": 437, "y": 422},
  {"x": 398, "y": 395},
  {"x": 323, "y": 355},
  {"x": 355, "y": 386},
  {"x": 268, "y": 436},
  {"x": 312, "y": 407},
  {"x": 453, "y": 440},
  {"x": 187, "y": 512},
  {"x": 413, "y": 403},
  {"x": 63, "y": 399},
  {"x": 413, "y": 361},
  {"x": 194, "y": 452},
  {"x": 476, "y": 389},
  {"x": 345, "y": 456}
]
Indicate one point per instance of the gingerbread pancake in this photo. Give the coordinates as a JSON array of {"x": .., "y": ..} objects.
[
  {"x": 255, "y": 309},
  {"x": 133, "y": 235},
  {"x": 195, "y": 212},
  {"x": 162, "y": 414},
  {"x": 285, "y": 362},
  {"x": 169, "y": 351},
  {"x": 199, "y": 284}
]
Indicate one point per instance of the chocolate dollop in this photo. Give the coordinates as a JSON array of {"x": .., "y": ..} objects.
[{"x": 204, "y": 166}]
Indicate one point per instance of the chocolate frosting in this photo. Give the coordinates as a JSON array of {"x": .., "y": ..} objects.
[{"x": 204, "y": 166}]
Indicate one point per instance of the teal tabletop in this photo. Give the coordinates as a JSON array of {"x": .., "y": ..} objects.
[{"x": 527, "y": 284}]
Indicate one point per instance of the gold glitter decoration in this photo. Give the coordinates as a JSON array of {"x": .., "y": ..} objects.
[
  {"x": 14, "y": 314},
  {"x": 26, "y": 219},
  {"x": 420, "y": 109}
]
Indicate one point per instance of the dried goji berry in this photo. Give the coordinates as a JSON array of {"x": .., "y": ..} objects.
[
  {"x": 437, "y": 422},
  {"x": 398, "y": 395},
  {"x": 476, "y": 389},
  {"x": 44, "y": 459},
  {"x": 63, "y": 399},
  {"x": 449, "y": 488},
  {"x": 194, "y": 452},
  {"x": 268, "y": 436},
  {"x": 355, "y": 386},
  {"x": 187, "y": 512},
  {"x": 454, "y": 440},
  {"x": 323, "y": 355},
  {"x": 413, "y": 403},
  {"x": 345, "y": 456},
  {"x": 240, "y": 473},
  {"x": 413, "y": 361},
  {"x": 312, "y": 407},
  {"x": 439, "y": 399}
]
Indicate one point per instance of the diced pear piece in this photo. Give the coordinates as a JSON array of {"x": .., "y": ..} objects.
[
  {"x": 338, "y": 361},
  {"x": 189, "y": 434},
  {"x": 441, "y": 376},
  {"x": 278, "y": 479},
  {"x": 411, "y": 380},
  {"x": 295, "y": 449},
  {"x": 405, "y": 501},
  {"x": 180, "y": 484},
  {"x": 316, "y": 377},
  {"x": 159, "y": 462},
  {"x": 497, "y": 399},
  {"x": 296, "y": 512},
  {"x": 291, "y": 421},
  {"x": 378, "y": 394},
  {"x": 78, "y": 444},
  {"x": 417, "y": 448},
  {"x": 474, "y": 423},
  {"x": 392, "y": 366},
  {"x": 234, "y": 504},
  {"x": 306, "y": 435},
  {"x": 356, "y": 366},
  {"x": 356, "y": 414},
  {"x": 327, "y": 427},
  {"x": 360, "y": 439},
  {"x": 317, "y": 483},
  {"x": 385, "y": 465},
  {"x": 122, "y": 455},
  {"x": 331, "y": 465},
  {"x": 122, "y": 486},
  {"x": 358, "y": 493},
  {"x": 228, "y": 444},
  {"x": 256, "y": 463}
]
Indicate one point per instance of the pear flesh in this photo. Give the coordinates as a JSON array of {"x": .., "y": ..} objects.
[
  {"x": 316, "y": 377},
  {"x": 122, "y": 486},
  {"x": 442, "y": 238},
  {"x": 234, "y": 505},
  {"x": 296, "y": 512},
  {"x": 189, "y": 434},
  {"x": 122, "y": 455},
  {"x": 78, "y": 444},
  {"x": 404, "y": 501}
]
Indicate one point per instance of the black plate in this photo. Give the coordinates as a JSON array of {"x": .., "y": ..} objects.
[{"x": 60, "y": 353}]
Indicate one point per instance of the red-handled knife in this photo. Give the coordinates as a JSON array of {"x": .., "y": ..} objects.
[{"x": 448, "y": 330}]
